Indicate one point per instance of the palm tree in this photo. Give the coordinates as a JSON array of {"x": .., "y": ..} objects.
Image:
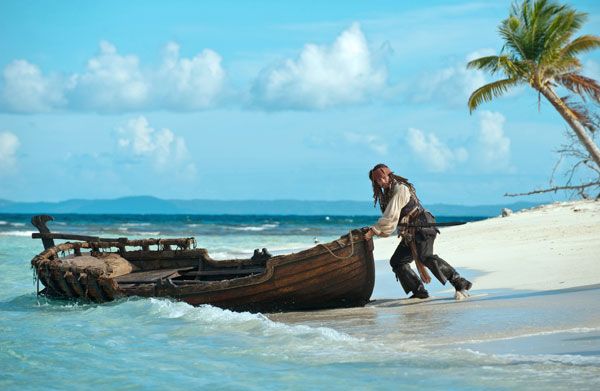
[{"x": 539, "y": 50}]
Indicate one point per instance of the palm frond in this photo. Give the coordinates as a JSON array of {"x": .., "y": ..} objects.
[
  {"x": 580, "y": 85},
  {"x": 487, "y": 63},
  {"x": 509, "y": 31},
  {"x": 490, "y": 91},
  {"x": 559, "y": 34},
  {"x": 581, "y": 112},
  {"x": 494, "y": 64},
  {"x": 540, "y": 49},
  {"x": 561, "y": 66},
  {"x": 538, "y": 30},
  {"x": 581, "y": 44}
]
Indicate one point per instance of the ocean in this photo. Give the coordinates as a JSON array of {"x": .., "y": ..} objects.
[{"x": 394, "y": 344}]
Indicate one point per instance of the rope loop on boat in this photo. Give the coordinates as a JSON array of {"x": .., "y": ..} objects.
[{"x": 337, "y": 256}]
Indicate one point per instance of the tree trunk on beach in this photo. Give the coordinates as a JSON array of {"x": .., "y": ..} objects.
[{"x": 571, "y": 119}]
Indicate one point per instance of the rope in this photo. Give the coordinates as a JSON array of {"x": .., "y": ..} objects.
[{"x": 336, "y": 256}]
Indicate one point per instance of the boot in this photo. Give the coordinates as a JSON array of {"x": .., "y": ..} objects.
[
  {"x": 408, "y": 278},
  {"x": 410, "y": 282},
  {"x": 420, "y": 293},
  {"x": 461, "y": 284}
]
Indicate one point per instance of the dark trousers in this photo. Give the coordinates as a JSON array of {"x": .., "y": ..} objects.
[{"x": 403, "y": 256}]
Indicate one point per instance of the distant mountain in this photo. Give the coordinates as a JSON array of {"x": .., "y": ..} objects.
[{"x": 153, "y": 205}]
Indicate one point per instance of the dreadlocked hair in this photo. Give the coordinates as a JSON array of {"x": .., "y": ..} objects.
[{"x": 383, "y": 196}]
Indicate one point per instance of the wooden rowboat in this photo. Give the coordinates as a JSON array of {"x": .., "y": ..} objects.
[{"x": 336, "y": 274}]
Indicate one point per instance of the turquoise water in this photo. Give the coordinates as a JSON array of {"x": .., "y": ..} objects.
[{"x": 157, "y": 343}]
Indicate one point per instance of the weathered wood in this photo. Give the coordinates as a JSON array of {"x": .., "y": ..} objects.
[
  {"x": 36, "y": 235},
  {"x": 109, "y": 287},
  {"x": 286, "y": 282},
  {"x": 40, "y": 223},
  {"x": 45, "y": 273},
  {"x": 59, "y": 276},
  {"x": 224, "y": 272},
  {"x": 148, "y": 276},
  {"x": 94, "y": 291},
  {"x": 73, "y": 282},
  {"x": 336, "y": 274}
]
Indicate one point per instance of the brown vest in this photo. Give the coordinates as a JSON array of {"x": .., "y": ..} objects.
[{"x": 413, "y": 208}]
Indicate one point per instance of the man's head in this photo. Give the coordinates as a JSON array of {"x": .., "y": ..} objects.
[{"x": 380, "y": 176}]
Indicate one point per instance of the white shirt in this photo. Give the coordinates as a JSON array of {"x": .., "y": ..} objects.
[{"x": 388, "y": 222}]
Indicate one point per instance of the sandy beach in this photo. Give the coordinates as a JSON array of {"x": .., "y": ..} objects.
[
  {"x": 535, "y": 297},
  {"x": 550, "y": 247}
]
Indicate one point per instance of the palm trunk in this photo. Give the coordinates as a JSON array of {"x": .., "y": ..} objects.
[{"x": 580, "y": 131}]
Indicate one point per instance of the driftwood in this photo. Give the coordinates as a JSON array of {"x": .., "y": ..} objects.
[
  {"x": 581, "y": 166},
  {"x": 555, "y": 189}
]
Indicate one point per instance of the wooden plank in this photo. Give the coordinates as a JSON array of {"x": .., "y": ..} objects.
[
  {"x": 85, "y": 238},
  {"x": 303, "y": 269},
  {"x": 40, "y": 223},
  {"x": 298, "y": 284},
  {"x": 224, "y": 272},
  {"x": 147, "y": 276},
  {"x": 280, "y": 281},
  {"x": 74, "y": 283},
  {"x": 303, "y": 296}
]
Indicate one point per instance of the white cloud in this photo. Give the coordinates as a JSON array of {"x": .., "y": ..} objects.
[
  {"x": 9, "y": 144},
  {"x": 452, "y": 85},
  {"x": 26, "y": 89},
  {"x": 322, "y": 76},
  {"x": 111, "y": 82},
  {"x": 436, "y": 155},
  {"x": 188, "y": 84},
  {"x": 162, "y": 148},
  {"x": 371, "y": 141},
  {"x": 494, "y": 146}
]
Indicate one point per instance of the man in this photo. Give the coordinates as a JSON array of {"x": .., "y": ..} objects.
[{"x": 399, "y": 204}]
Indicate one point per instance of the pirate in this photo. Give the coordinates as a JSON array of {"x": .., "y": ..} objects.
[{"x": 400, "y": 205}]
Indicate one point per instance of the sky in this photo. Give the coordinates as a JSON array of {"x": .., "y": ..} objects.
[{"x": 238, "y": 100}]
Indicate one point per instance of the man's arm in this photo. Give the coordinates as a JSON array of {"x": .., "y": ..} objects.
[{"x": 388, "y": 222}]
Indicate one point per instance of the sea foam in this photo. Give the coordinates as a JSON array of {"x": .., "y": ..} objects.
[
  {"x": 254, "y": 228},
  {"x": 16, "y": 233},
  {"x": 219, "y": 319}
]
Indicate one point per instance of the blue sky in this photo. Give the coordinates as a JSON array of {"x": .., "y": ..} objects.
[{"x": 263, "y": 100}]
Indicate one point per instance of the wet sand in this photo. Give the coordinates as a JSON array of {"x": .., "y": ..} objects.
[
  {"x": 557, "y": 322},
  {"x": 536, "y": 290}
]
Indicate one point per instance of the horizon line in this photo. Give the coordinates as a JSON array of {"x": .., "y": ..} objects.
[{"x": 255, "y": 200}]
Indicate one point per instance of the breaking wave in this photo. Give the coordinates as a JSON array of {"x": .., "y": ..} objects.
[
  {"x": 222, "y": 320},
  {"x": 254, "y": 228},
  {"x": 16, "y": 233}
]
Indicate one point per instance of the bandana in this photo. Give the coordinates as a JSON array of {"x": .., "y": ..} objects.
[{"x": 380, "y": 173}]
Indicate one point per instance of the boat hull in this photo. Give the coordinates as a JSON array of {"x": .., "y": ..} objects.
[{"x": 336, "y": 274}]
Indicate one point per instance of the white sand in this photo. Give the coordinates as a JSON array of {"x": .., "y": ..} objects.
[{"x": 549, "y": 247}]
